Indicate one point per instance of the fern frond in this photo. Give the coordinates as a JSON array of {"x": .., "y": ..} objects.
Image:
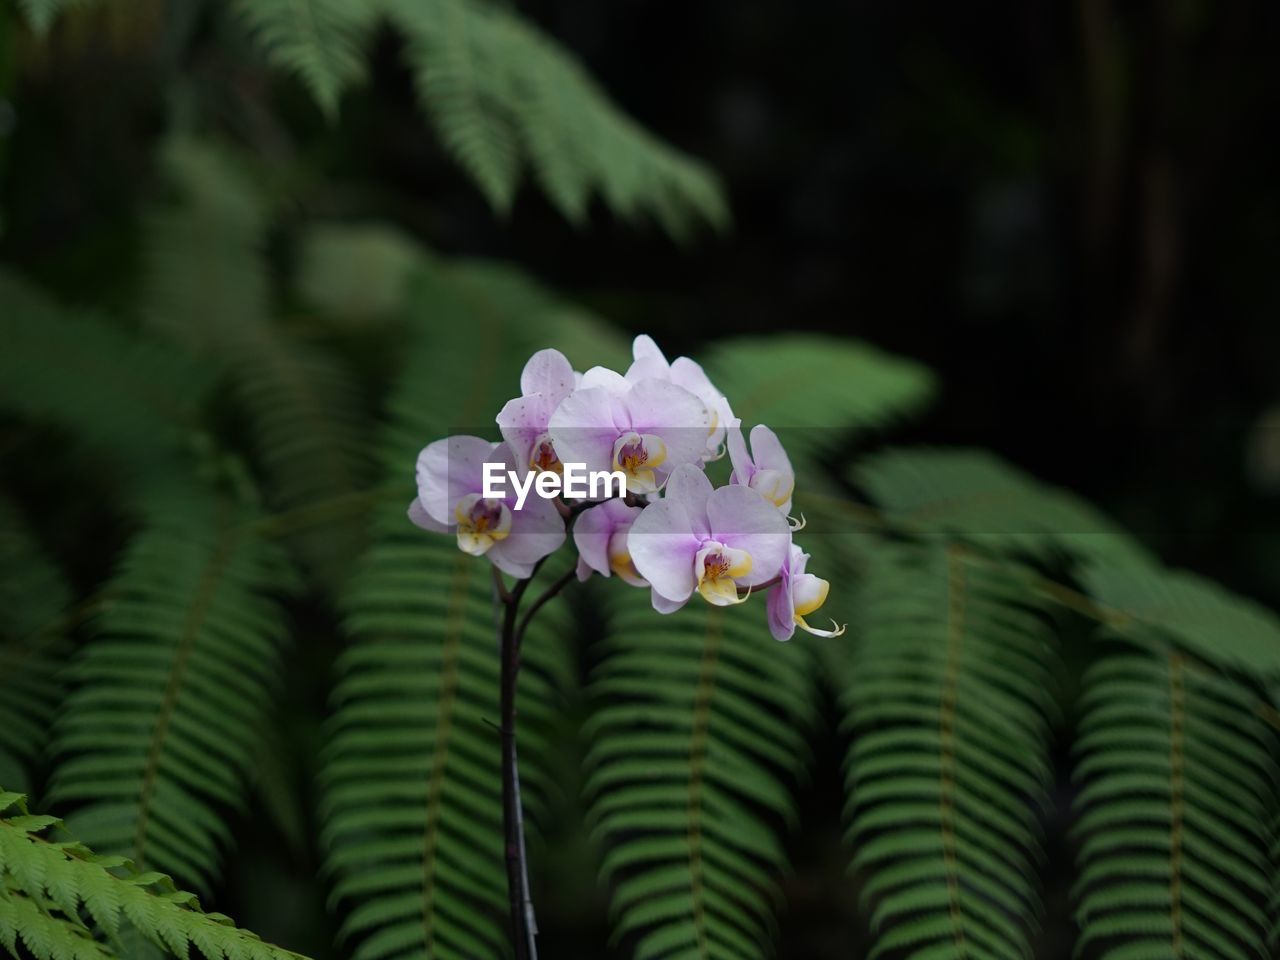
[
  {"x": 33, "y": 646},
  {"x": 309, "y": 429},
  {"x": 947, "y": 694},
  {"x": 357, "y": 273},
  {"x": 502, "y": 95},
  {"x": 973, "y": 496},
  {"x": 125, "y": 395},
  {"x": 1200, "y": 616},
  {"x": 1177, "y": 782},
  {"x": 816, "y": 392},
  {"x": 156, "y": 739},
  {"x": 457, "y": 52},
  {"x": 699, "y": 730},
  {"x": 412, "y": 800},
  {"x": 206, "y": 280},
  {"x": 207, "y": 287},
  {"x": 320, "y": 40},
  {"x": 413, "y": 805},
  {"x": 55, "y": 895}
]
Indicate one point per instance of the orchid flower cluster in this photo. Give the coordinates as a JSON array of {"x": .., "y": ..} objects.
[{"x": 659, "y": 424}]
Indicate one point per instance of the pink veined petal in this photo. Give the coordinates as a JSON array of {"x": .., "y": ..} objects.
[
  {"x": 663, "y": 605},
  {"x": 743, "y": 468},
  {"x": 689, "y": 487},
  {"x": 672, "y": 413},
  {"x": 523, "y": 420},
  {"x": 741, "y": 518},
  {"x": 690, "y": 375},
  {"x": 604, "y": 378},
  {"x": 591, "y": 535},
  {"x": 583, "y": 570},
  {"x": 548, "y": 372},
  {"x": 448, "y": 470},
  {"x": 647, "y": 368},
  {"x": 583, "y": 430},
  {"x": 781, "y": 614},
  {"x": 767, "y": 451},
  {"x": 643, "y": 347},
  {"x": 418, "y": 514},
  {"x": 662, "y": 547},
  {"x": 537, "y": 530}
]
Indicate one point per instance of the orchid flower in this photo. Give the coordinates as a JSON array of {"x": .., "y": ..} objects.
[
  {"x": 450, "y": 499},
  {"x": 709, "y": 540},
  {"x": 796, "y": 595},
  {"x": 645, "y": 429},
  {"x": 601, "y": 538},
  {"x": 766, "y": 468},
  {"x": 651, "y": 363},
  {"x": 547, "y": 379}
]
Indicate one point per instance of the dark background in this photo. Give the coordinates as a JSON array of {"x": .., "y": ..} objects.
[{"x": 1069, "y": 210}]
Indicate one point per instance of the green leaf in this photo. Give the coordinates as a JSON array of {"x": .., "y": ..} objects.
[
  {"x": 1177, "y": 791},
  {"x": 700, "y": 727},
  {"x": 159, "y": 734},
  {"x": 946, "y": 691},
  {"x": 1202, "y": 617},
  {"x": 49, "y": 893},
  {"x": 412, "y": 779},
  {"x": 33, "y": 646},
  {"x": 207, "y": 288},
  {"x": 125, "y": 395},
  {"x": 816, "y": 392},
  {"x": 319, "y": 40},
  {"x": 974, "y": 496},
  {"x": 504, "y": 96}
]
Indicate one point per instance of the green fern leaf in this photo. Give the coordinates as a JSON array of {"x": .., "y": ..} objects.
[
  {"x": 319, "y": 40},
  {"x": 207, "y": 288},
  {"x": 50, "y": 891},
  {"x": 1197, "y": 614},
  {"x": 125, "y": 395},
  {"x": 357, "y": 274},
  {"x": 459, "y": 66},
  {"x": 33, "y": 646},
  {"x": 160, "y": 732},
  {"x": 700, "y": 725},
  {"x": 413, "y": 810},
  {"x": 206, "y": 282},
  {"x": 1177, "y": 785},
  {"x": 503, "y": 95},
  {"x": 412, "y": 803},
  {"x": 947, "y": 695},
  {"x": 816, "y": 392},
  {"x": 974, "y": 496}
]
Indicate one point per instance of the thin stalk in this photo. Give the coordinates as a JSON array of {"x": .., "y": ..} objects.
[{"x": 524, "y": 925}]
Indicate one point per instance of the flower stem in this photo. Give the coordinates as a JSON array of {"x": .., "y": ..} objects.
[{"x": 524, "y": 925}]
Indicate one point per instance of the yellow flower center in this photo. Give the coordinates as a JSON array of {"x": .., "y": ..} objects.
[{"x": 481, "y": 523}]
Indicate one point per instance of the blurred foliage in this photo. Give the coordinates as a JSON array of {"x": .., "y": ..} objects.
[{"x": 226, "y": 658}]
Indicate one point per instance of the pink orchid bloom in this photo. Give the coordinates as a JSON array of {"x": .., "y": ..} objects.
[
  {"x": 796, "y": 595},
  {"x": 450, "y": 499},
  {"x": 766, "y": 468},
  {"x": 645, "y": 429},
  {"x": 547, "y": 379},
  {"x": 651, "y": 363},
  {"x": 600, "y": 534},
  {"x": 709, "y": 540}
]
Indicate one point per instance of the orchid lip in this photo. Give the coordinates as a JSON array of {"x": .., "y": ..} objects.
[
  {"x": 481, "y": 523},
  {"x": 717, "y": 567},
  {"x": 636, "y": 455},
  {"x": 543, "y": 455}
]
